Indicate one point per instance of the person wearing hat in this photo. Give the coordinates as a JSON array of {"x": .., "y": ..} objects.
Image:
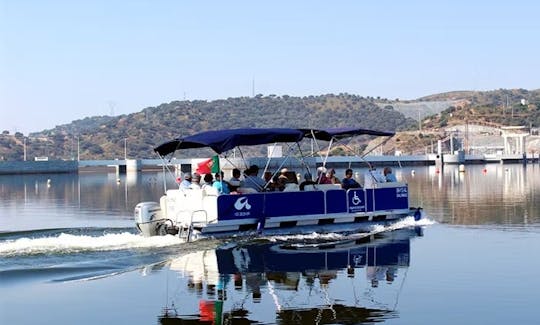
[
  {"x": 321, "y": 176},
  {"x": 186, "y": 182}
]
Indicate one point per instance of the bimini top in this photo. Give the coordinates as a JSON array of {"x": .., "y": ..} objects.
[
  {"x": 224, "y": 140},
  {"x": 341, "y": 133}
]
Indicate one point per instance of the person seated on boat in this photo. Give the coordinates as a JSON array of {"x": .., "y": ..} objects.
[
  {"x": 308, "y": 180},
  {"x": 372, "y": 176},
  {"x": 331, "y": 176},
  {"x": 267, "y": 176},
  {"x": 321, "y": 176},
  {"x": 234, "y": 181},
  {"x": 186, "y": 182},
  {"x": 195, "y": 181},
  {"x": 275, "y": 185},
  {"x": 251, "y": 180},
  {"x": 283, "y": 175},
  {"x": 208, "y": 180},
  {"x": 349, "y": 182},
  {"x": 220, "y": 185},
  {"x": 390, "y": 177}
]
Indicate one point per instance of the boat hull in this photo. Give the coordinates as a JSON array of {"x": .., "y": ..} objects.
[{"x": 207, "y": 213}]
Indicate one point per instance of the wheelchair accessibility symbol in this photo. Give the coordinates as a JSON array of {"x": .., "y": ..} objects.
[{"x": 355, "y": 199}]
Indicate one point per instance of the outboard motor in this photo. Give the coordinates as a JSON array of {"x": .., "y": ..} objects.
[
  {"x": 150, "y": 221},
  {"x": 418, "y": 214}
]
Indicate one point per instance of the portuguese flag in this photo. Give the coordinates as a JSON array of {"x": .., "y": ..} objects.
[{"x": 208, "y": 166}]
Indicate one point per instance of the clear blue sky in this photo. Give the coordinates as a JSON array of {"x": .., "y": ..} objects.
[{"x": 66, "y": 60}]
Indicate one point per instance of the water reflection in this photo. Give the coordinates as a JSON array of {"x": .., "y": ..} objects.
[
  {"x": 483, "y": 194},
  {"x": 346, "y": 281},
  {"x": 73, "y": 200}
]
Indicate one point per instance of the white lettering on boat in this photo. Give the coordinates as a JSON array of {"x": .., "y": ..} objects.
[{"x": 401, "y": 192}]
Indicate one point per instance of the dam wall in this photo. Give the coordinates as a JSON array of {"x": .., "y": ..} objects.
[{"x": 39, "y": 167}]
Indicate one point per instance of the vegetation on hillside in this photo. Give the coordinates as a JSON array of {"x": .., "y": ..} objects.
[
  {"x": 497, "y": 108},
  {"x": 105, "y": 137}
]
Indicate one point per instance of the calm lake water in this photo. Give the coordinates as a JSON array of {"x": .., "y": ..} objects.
[{"x": 69, "y": 254}]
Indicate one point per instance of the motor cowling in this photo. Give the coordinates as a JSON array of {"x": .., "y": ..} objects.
[{"x": 148, "y": 218}]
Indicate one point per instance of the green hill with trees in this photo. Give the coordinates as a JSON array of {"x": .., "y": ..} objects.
[{"x": 104, "y": 137}]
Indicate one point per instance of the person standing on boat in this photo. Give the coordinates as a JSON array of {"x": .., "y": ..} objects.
[
  {"x": 186, "y": 182},
  {"x": 251, "y": 179},
  {"x": 372, "y": 176},
  {"x": 349, "y": 182},
  {"x": 390, "y": 177},
  {"x": 220, "y": 185}
]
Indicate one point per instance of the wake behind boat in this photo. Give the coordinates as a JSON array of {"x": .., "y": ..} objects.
[{"x": 199, "y": 212}]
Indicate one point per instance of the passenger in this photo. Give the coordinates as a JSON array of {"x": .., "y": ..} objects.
[
  {"x": 331, "y": 176},
  {"x": 252, "y": 180},
  {"x": 308, "y": 180},
  {"x": 283, "y": 175},
  {"x": 372, "y": 177},
  {"x": 349, "y": 182},
  {"x": 278, "y": 184},
  {"x": 208, "y": 181},
  {"x": 267, "y": 176},
  {"x": 220, "y": 185},
  {"x": 195, "y": 181},
  {"x": 186, "y": 182},
  {"x": 321, "y": 176},
  {"x": 234, "y": 181},
  {"x": 390, "y": 177}
]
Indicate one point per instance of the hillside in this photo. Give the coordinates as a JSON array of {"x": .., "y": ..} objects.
[{"x": 103, "y": 137}]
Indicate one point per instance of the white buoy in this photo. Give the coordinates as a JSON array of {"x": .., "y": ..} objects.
[
  {"x": 413, "y": 172},
  {"x": 461, "y": 168}
]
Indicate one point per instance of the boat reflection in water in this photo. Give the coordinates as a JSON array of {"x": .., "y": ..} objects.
[{"x": 343, "y": 281}]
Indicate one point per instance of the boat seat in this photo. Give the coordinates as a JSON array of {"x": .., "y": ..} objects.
[
  {"x": 326, "y": 187},
  {"x": 291, "y": 187},
  {"x": 246, "y": 190}
]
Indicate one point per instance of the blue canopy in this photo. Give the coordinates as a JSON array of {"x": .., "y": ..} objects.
[
  {"x": 224, "y": 140},
  {"x": 341, "y": 133}
]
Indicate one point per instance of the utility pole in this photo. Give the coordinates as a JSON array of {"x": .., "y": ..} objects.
[{"x": 125, "y": 149}]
